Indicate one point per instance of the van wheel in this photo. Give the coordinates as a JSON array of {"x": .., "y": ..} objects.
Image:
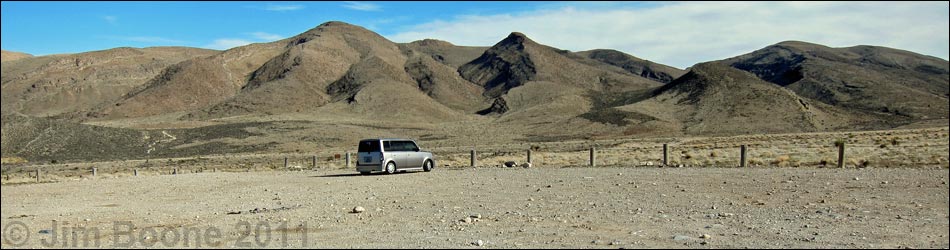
[
  {"x": 390, "y": 168},
  {"x": 427, "y": 166}
]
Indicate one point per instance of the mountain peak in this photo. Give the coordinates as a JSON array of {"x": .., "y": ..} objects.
[
  {"x": 516, "y": 38},
  {"x": 333, "y": 26},
  {"x": 432, "y": 42}
]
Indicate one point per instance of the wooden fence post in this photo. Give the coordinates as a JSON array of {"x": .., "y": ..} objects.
[
  {"x": 473, "y": 158},
  {"x": 37, "y": 175},
  {"x": 841, "y": 155},
  {"x": 95, "y": 171},
  {"x": 593, "y": 157},
  {"x": 666, "y": 155},
  {"x": 285, "y": 162},
  {"x": 314, "y": 161},
  {"x": 742, "y": 150},
  {"x": 529, "y": 155},
  {"x": 347, "y": 160}
]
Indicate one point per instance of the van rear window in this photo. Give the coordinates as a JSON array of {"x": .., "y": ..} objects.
[{"x": 369, "y": 146}]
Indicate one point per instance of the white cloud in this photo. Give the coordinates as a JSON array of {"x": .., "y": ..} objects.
[
  {"x": 361, "y": 6},
  {"x": 283, "y": 7},
  {"x": 227, "y": 43},
  {"x": 264, "y": 36},
  {"x": 684, "y": 33},
  {"x": 111, "y": 19},
  {"x": 257, "y": 37}
]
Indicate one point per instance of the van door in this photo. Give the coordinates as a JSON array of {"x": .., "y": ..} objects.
[
  {"x": 369, "y": 153},
  {"x": 413, "y": 157},
  {"x": 394, "y": 153}
]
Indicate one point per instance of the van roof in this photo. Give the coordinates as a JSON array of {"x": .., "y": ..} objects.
[{"x": 388, "y": 139}]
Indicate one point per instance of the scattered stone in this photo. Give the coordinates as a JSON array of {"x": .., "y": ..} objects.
[
  {"x": 510, "y": 164},
  {"x": 358, "y": 209},
  {"x": 705, "y": 236},
  {"x": 478, "y": 243},
  {"x": 477, "y": 216},
  {"x": 526, "y": 165},
  {"x": 682, "y": 238},
  {"x": 467, "y": 220},
  {"x": 857, "y": 179}
]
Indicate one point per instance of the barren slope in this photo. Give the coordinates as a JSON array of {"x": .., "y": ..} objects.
[
  {"x": 12, "y": 55},
  {"x": 634, "y": 65},
  {"x": 903, "y": 84},
  {"x": 716, "y": 99},
  {"x": 77, "y": 83}
]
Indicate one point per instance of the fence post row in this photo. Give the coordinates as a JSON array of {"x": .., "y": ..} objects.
[
  {"x": 529, "y": 155},
  {"x": 841, "y": 155},
  {"x": 666, "y": 155},
  {"x": 347, "y": 159},
  {"x": 473, "y": 158},
  {"x": 742, "y": 150},
  {"x": 593, "y": 157}
]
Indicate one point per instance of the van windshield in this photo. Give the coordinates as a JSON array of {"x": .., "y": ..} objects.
[{"x": 369, "y": 146}]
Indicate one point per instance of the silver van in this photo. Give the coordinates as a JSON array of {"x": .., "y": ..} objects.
[{"x": 391, "y": 155}]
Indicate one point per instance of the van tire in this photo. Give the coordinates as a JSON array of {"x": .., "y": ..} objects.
[
  {"x": 390, "y": 168},
  {"x": 427, "y": 166}
]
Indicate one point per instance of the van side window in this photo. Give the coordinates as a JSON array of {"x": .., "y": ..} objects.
[
  {"x": 411, "y": 146},
  {"x": 387, "y": 146}
]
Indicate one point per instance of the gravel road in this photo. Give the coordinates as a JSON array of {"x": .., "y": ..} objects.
[{"x": 541, "y": 207}]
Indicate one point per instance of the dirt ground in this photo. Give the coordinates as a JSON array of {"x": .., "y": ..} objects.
[{"x": 540, "y": 207}]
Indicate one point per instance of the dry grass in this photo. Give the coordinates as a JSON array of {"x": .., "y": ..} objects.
[{"x": 914, "y": 148}]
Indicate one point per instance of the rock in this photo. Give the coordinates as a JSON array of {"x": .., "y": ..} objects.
[
  {"x": 467, "y": 220},
  {"x": 510, "y": 164},
  {"x": 857, "y": 179},
  {"x": 705, "y": 236},
  {"x": 477, "y": 216},
  {"x": 478, "y": 243},
  {"x": 526, "y": 165},
  {"x": 358, "y": 209},
  {"x": 682, "y": 238}
]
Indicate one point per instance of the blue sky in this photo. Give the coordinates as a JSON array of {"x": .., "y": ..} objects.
[{"x": 675, "y": 33}]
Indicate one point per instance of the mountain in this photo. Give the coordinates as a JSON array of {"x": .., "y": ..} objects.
[
  {"x": 904, "y": 85},
  {"x": 337, "y": 83},
  {"x": 634, "y": 65},
  {"x": 715, "y": 99},
  {"x": 62, "y": 85},
  {"x": 12, "y": 55},
  {"x": 525, "y": 78}
]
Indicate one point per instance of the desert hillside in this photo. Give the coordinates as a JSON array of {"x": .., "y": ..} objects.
[
  {"x": 901, "y": 84},
  {"x": 12, "y": 55},
  {"x": 338, "y": 82}
]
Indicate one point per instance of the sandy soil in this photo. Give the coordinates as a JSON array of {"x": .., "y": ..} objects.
[{"x": 541, "y": 207}]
